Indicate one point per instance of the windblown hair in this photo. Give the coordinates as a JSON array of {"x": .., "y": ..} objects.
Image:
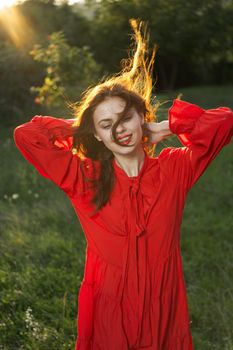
[{"x": 133, "y": 84}]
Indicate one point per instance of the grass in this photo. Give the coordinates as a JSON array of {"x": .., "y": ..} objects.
[{"x": 43, "y": 249}]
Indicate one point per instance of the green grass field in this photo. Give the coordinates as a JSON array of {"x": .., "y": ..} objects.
[{"x": 43, "y": 249}]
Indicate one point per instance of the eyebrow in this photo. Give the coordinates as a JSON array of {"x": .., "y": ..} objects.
[{"x": 103, "y": 120}]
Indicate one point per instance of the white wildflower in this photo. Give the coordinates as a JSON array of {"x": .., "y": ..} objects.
[
  {"x": 31, "y": 324},
  {"x": 15, "y": 196}
]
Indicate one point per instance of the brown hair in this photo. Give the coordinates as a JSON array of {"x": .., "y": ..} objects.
[{"x": 133, "y": 84}]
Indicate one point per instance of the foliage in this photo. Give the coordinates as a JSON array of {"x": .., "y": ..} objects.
[
  {"x": 69, "y": 70},
  {"x": 194, "y": 37},
  {"x": 17, "y": 71},
  {"x": 38, "y": 19},
  {"x": 194, "y": 46}
]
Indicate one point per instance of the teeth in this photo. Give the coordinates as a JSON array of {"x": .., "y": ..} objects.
[{"x": 125, "y": 138}]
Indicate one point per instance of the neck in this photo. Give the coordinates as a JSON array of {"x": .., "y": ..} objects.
[{"x": 131, "y": 163}]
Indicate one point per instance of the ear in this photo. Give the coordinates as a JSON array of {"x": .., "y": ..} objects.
[{"x": 97, "y": 137}]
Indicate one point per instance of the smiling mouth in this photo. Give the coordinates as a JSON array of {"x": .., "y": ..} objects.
[
  {"x": 124, "y": 136},
  {"x": 125, "y": 140}
]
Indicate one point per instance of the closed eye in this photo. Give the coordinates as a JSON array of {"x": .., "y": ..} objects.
[
  {"x": 123, "y": 120},
  {"x": 126, "y": 118}
]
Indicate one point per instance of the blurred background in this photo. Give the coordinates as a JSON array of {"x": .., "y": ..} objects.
[{"x": 50, "y": 52}]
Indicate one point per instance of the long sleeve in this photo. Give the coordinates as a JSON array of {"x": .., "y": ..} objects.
[
  {"x": 203, "y": 134},
  {"x": 46, "y": 142}
]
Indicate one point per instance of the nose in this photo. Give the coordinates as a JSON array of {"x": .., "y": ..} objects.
[{"x": 120, "y": 129}]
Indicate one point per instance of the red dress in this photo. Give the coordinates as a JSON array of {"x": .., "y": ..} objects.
[{"x": 133, "y": 294}]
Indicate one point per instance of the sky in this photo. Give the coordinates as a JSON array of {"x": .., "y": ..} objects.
[{"x": 6, "y": 3}]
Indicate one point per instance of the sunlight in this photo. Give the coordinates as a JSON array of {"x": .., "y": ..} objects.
[
  {"x": 15, "y": 25},
  {"x": 7, "y": 3}
]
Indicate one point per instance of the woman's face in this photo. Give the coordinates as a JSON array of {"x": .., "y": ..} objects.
[{"x": 105, "y": 115}]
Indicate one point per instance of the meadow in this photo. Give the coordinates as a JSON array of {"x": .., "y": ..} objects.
[{"x": 43, "y": 248}]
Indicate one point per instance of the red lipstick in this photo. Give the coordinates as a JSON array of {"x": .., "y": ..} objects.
[{"x": 121, "y": 137}]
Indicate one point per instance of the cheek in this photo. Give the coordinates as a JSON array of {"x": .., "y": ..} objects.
[
  {"x": 138, "y": 128},
  {"x": 136, "y": 123},
  {"x": 105, "y": 135}
]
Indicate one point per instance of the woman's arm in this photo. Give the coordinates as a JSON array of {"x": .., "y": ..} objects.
[
  {"x": 46, "y": 142},
  {"x": 203, "y": 133},
  {"x": 156, "y": 132}
]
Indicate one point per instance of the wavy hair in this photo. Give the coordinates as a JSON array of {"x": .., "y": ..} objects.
[{"x": 133, "y": 84}]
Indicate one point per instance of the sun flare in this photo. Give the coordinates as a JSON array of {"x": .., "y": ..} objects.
[
  {"x": 16, "y": 25},
  {"x": 7, "y": 3}
]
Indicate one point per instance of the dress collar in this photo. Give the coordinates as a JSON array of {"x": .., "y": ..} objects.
[{"x": 123, "y": 174}]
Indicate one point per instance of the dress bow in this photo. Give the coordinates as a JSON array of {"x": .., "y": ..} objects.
[{"x": 135, "y": 269}]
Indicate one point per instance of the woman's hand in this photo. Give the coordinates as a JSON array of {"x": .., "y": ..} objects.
[{"x": 155, "y": 132}]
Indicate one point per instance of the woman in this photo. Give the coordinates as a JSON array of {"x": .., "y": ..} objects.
[{"x": 129, "y": 202}]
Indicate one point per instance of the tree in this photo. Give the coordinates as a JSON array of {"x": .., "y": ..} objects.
[
  {"x": 193, "y": 37},
  {"x": 69, "y": 70}
]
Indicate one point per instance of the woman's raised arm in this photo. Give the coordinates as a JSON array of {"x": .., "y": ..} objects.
[
  {"x": 202, "y": 132},
  {"x": 46, "y": 142}
]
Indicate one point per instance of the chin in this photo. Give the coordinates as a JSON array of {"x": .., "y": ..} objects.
[
  {"x": 132, "y": 147},
  {"x": 127, "y": 150}
]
